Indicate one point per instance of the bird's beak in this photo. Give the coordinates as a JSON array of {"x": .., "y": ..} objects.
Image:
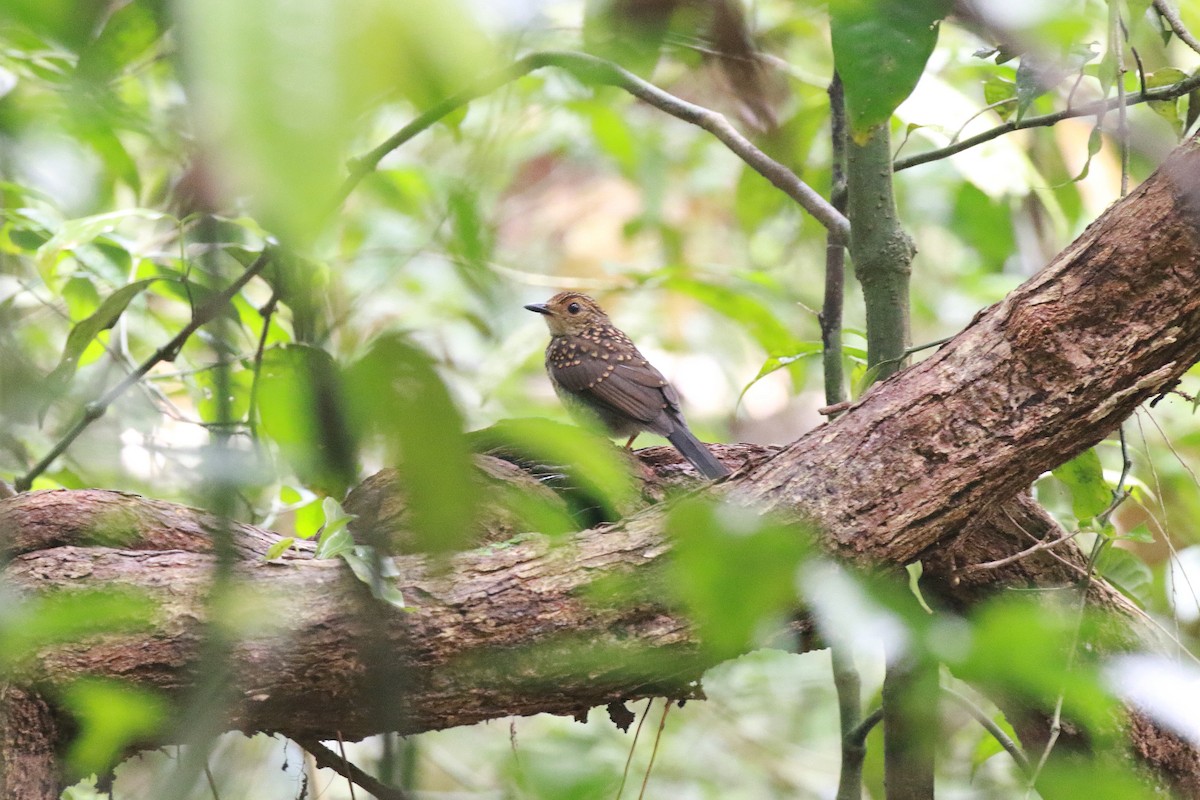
[{"x": 540, "y": 308}]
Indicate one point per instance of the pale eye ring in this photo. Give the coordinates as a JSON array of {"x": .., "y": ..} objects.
[{"x": 573, "y": 308}]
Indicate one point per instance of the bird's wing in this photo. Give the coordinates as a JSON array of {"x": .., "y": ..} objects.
[{"x": 631, "y": 387}]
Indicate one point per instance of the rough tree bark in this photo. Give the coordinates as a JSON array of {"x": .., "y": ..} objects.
[{"x": 925, "y": 466}]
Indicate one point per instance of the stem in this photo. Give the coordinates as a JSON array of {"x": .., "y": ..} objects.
[
  {"x": 849, "y": 692},
  {"x": 835, "y": 256},
  {"x": 880, "y": 249}
]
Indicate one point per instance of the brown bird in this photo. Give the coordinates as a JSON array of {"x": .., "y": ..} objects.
[{"x": 594, "y": 367}]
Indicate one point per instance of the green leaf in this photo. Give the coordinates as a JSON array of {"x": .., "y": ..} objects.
[
  {"x": 775, "y": 363},
  {"x": 915, "y": 570},
  {"x": 1084, "y": 477},
  {"x": 337, "y": 543},
  {"x": 84, "y": 332},
  {"x": 1141, "y": 534},
  {"x": 739, "y": 305},
  {"x": 880, "y": 48},
  {"x": 1000, "y": 93},
  {"x": 395, "y": 393},
  {"x": 588, "y": 459},
  {"x": 1125, "y": 571},
  {"x": 286, "y": 91},
  {"x": 361, "y": 560},
  {"x": 76, "y": 232},
  {"x": 1167, "y": 109},
  {"x": 278, "y": 549},
  {"x": 988, "y": 746},
  {"x": 128, "y": 34}
]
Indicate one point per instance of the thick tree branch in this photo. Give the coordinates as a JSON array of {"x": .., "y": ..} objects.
[
  {"x": 924, "y": 466},
  {"x": 1032, "y": 381}
]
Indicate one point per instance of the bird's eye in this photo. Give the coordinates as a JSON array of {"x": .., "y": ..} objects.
[{"x": 573, "y": 308}]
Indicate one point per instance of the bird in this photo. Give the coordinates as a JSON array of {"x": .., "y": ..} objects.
[{"x": 597, "y": 370}]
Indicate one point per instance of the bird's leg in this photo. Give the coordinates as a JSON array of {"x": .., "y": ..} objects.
[{"x": 629, "y": 444}]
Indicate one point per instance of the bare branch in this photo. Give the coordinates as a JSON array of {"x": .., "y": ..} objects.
[
  {"x": 1097, "y": 108},
  {"x": 591, "y": 69},
  {"x": 1173, "y": 19}
]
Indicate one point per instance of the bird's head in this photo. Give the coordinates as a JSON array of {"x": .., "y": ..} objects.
[{"x": 569, "y": 313}]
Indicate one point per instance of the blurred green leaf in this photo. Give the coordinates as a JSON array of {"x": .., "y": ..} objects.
[
  {"x": 279, "y": 548},
  {"x": 111, "y": 715},
  {"x": 752, "y": 314},
  {"x": 1024, "y": 648},
  {"x": 611, "y": 132},
  {"x": 880, "y": 48},
  {"x": 631, "y": 35},
  {"x": 128, "y": 34},
  {"x": 279, "y": 90},
  {"x": 64, "y": 617},
  {"x": 1001, "y": 94},
  {"x": 301, "y": 407},
  {"x": 84, "y": 332},
  {"x": 76, "y": 232},
  {"x": 1104, "y": 777},
  {"x": 361, "y": 561},
  {"x": 67, "y": 21},
  {"x": 1167, "y": 109},
  {"x": 1084, "y": 477},
  {"x": 734, "y": 572},
  {"x": 587, "y": 458},
  {"x": 756, "y": 200},
  {"x": 1126, "y": 571},
  {"x": 395, "y": 393}
]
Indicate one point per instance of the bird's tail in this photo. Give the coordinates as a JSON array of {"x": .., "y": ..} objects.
[{"x": 695, "y": 451}]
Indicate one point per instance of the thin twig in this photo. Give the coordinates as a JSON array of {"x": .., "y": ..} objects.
[
  {"x": 858, "y": 736},
  {"x": 636, "y": 733},
  {"x": 830, "y": 317},
  {"x": 96, "y": 409},
  {"x": 662, "y": 723},
  {"x": 591, "y": 69},
  {"x": 328, "y": 759},
  {"x": 267, "y": 311},
  {"x": 991, "y": 727},
  {"x": 1091, "y": 109},
  {"x": 345, "y": 763},
  {"x": 989, "y": 107},
  {"x": 212, "y": 782},
  {"x": 1117, "y": 37},
  {"x": 1177, "y": 27},
  {"x": 1000, "y": 562}
]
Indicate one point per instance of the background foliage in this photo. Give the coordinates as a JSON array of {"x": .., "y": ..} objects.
[{"x": 149, "y": 152}]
